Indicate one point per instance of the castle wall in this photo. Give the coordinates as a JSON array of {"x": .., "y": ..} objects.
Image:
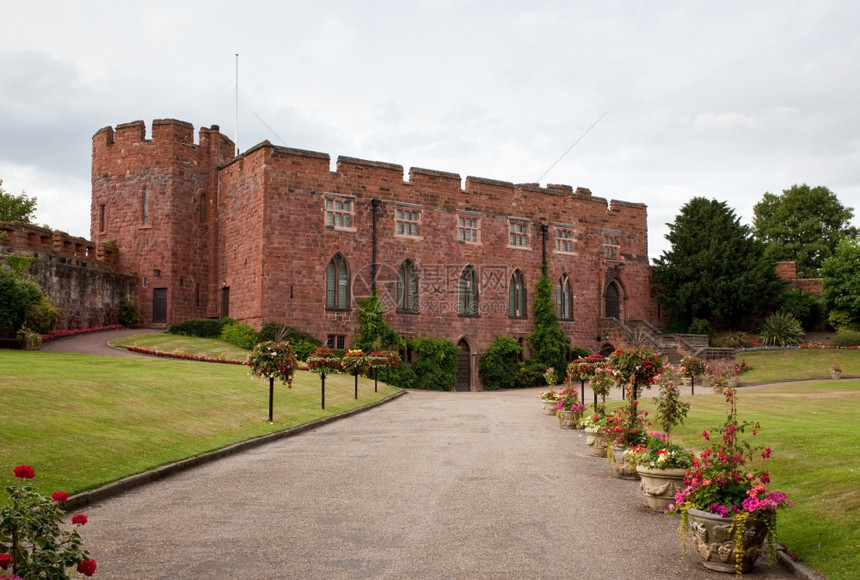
[{"x": 80, "y": 278}]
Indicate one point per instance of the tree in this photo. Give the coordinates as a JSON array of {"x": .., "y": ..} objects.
[
  {"x": 803, "y": 224},
  {"x": 714, "y": 267},
  {"x": 17, "y": 296},
  {"x": 548, "y": 339},
  {"x": 20, "y": 208},
  {"x": 841, "y": 294}
]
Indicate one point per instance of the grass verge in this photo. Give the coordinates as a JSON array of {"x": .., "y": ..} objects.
[{"x": 83, "y": 420}]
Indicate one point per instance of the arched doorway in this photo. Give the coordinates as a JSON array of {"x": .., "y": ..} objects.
[
  {"x": 464, "y": 366},
  {"x": 612, "y": 305}
]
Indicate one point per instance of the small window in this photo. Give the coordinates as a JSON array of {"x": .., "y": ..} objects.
[
  {"x": 337, "y": 284},
  {"x": 144, "y": 207},
  {"x": 338, "y": 213},
  {"x": 468, "y": 292},
  {"x": 335, "y": 341},
  {"x": 407, "y": 289},
  {"x": 564, "y": 299},
  {"x": 102, "y": 220},
  {"x": 517, "y": 296},
  {"x": 611, "y": 244},
  {"x": 518, "y": 234},
  {"x": 467, "y": 230},
  {"x": 407, "y": 222},
  {"x": 202, "y": 215},
  {"x": 564, "y": 240}
]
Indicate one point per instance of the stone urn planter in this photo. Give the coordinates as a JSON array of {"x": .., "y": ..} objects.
[
  {"x": 566, "y": 420},
  {"x": 732, "y": 383},
  {"x": 548, "y": 407},
  {"x": 597, "y": 442},
  {"x": 660, "y": 486},
  {"x": 715, "y": 538},
  {"x": 835, "y": 375},
  {"x": 620, "y": 464}
]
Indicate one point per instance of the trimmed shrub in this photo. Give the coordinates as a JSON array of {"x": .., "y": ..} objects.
[
  {"x": 803, "y": 306},
  {"x": 781, "y": 329},
  {"x": 530, "y": 373},
  {"x": 402, "y": 376},
  {"x": 846, "y": 338},
  {"x": 199, "y": 327},
  {"x": 127, "y": 313},
  {"x": 241, "y": 335},
  {"x": 436, "y": 367},
  {"x": 498, "y": 365}
]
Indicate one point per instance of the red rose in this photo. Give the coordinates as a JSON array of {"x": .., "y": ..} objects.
[
  {"x": 79, "y": 519},
  {"x": 5, "y": 560},
  {"x": 24, "y": 472},
  {"x": 87, "y": 567},
  {"x": 60, "y": 496}
]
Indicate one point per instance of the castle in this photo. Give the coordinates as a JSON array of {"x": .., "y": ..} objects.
[{"x": 274, "y": 235}]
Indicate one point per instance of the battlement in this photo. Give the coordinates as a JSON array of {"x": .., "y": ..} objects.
[
  {"x": 167, "y": 134},
  {"x": 41, "y": 243}
]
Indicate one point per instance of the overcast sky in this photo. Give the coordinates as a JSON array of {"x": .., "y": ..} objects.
[{"x": 724, "y": 100}]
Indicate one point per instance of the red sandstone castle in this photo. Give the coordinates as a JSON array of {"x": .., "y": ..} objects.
[{"x": 273, "y": 235}]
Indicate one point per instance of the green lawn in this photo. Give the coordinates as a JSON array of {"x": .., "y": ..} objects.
[
  {"x": 82, "y": 420},
  {"x": 770, "y": 366},
  {"x": 163, "y": 342}
]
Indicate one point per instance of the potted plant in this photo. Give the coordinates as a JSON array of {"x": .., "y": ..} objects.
[
  {"x": 835, "y": 370},
  {"x": 595, "y": 422},
  {"x": 30, "y": 339},
  {"x": 569, "y": 409},
  {"x": 692, "y": 367},
  {"x": 582, "y": 370},
  {"x": 726, "y": 505},
  {"x": 662, "y": 467},
  {"x": 549, "y": 400},
  {"x": 355, "y": 363},
  {"x": 627, "y": 429},
  {"x": 273, "y": 360},
  {"x": 324, "y": 362}
]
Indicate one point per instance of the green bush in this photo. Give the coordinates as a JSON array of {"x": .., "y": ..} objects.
[
  {"x": 44, "y": 316},
  {"x": 530, "y": 373},
  {"x": 374, "y": 333},
  {"x": 436, "y": 366},
  {"x": 303, "y": 343},
  {"x": 781, "y": 329},
  {"x": 701, "y": 326},
  {"x": 200, "y": 327},
  {"x": 403, "y": 376},
  {"x": 498, "y": 365},
  {"x": 803, "y": 306},
  {"x": 549, "y": 343},
  {"x": 127, "y": 313},
  {"x": 846, "y": 338},
  {"x": 17, "y": 296},
  {"x": 737, "y": 340},
  {"x": 241, "y": 335},
  {"x": 577, "y": 352}
]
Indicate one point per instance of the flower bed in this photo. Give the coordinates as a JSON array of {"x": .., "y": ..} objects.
[
  {"x": 67, "y": 332},
  {"x": 184, "y": 356}
]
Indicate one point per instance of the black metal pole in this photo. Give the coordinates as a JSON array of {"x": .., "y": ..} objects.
[
  {"x": 374, "y": 379},
  {"x": 322, "y": 375},
  {"x": 356, "y": 385},
  {"x": 582, "y": 390},
  {"x": 271, "y": 396},
  {"x": 692, "y": 385}
]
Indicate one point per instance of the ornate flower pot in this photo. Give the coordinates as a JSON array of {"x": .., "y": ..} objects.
[
  {"x": 835, "y": 375},
  {"x": 565, "y": 420},
  {"x": 597, "y": 441},
  {"x": 660, "y": 486},
  {"x": 732, "y": 383},
  {"x": 549, "y": 407},
  {"x": 620, "y": 464},
  {"x": 715, "y": 538}
]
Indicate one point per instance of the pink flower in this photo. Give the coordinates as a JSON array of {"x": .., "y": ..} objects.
[
  {"x": 705, "y": 435},
  {"x": 766, "y": 453},
  {"x": 87, "y": 567},
  {"x": 79, "y": 519},
  {"x": 24, "y": 472},
  {"x": 60, "y": 496}
]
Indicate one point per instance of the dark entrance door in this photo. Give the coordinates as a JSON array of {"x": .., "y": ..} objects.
[
  {"x": 225, "y": 302},
  {"x": 464, "y": 367},
  {"x": 159, "y": 305},
  {"x": 610, "y": 297}
]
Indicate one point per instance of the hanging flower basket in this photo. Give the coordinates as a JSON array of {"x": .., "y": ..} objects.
[
  {"x": 324, "y": 362},
  {"x": 355, "y": 362},
  {"x": 273, "y": 360}
]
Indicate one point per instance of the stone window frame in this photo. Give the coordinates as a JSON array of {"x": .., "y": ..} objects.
[
  {"x": 564, "y": 298},
  {"x": 336, "y": 341},
  {"x": 564, "y": 235},
  {"x": 519, "y": 233},
  {"x": 337, "y": 276},
  {"x": 468, "y": 227},
  {"x": 407, "y": 288},
  {"x": 611, "y": 244},
  {"x": 517, "y": 296},
  {"x": 467, "y": 292},
  {"x": 145, "y": 221},
  {"x": 407, "y": 220},
  {"x": 102, "y": 218},
  {"x": 201, "y": 216},
  {"x": 338, "y": 210}
]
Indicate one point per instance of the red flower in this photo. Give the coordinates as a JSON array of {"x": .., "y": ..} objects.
[
  {"x": 24, "y": 472},
  {"x": 87, "y": 567},
  {"x": 60, "y": 496},
  {"x": 766, "y": 453},
  {"x": 5, "y": 560},
  {"x": 79, "y": 519},
  {"x": 705, "y": 435}
]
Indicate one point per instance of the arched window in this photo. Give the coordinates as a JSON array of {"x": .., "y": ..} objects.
[
  {"x": 337, "y": 284},
  {"x": 468, "y": 292},
  {"x": 517, "y": 296},
  {"x": 611, "y": 302},
  {"x": 407, "y": 288},
  {"x": 564, "y": 298}
]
